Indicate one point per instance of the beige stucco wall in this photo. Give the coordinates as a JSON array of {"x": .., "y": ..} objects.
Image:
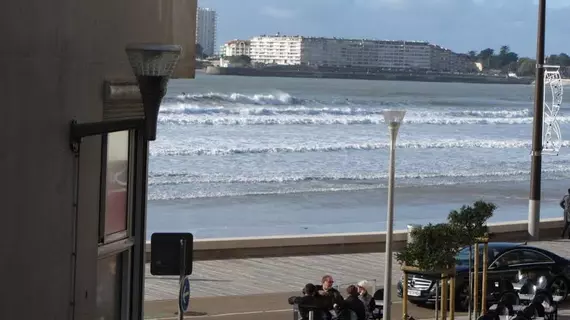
[{"x": 54, "y": 56}]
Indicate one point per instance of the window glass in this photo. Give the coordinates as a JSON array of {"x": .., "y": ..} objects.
[
  {"x": 509, "y": 258},
  {"x": 109, "y": 287},
  {"x": 531, "y": 256},
  {"x": 117, "y": 182}
]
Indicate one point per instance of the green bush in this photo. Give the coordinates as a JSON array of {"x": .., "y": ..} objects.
[
  {"x": 435, "y": 245},
  {"x": 470, "y": 222},
  {"x": 434, "y": 248}
]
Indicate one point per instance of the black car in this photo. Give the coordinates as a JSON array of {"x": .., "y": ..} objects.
[{"x": 506, "y": 262}]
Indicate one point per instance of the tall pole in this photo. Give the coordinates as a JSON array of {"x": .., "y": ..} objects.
[
  {"x": 536, "y": 156},
  {"x": 390, "y": 223}
]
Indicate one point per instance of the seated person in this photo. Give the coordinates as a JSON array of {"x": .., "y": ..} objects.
[
  {"x": 352, "y": 303},
  {"x": 366, "y": 298},
  {"x": 327, "y": 295},
  {"x": 308, "y": 302}
]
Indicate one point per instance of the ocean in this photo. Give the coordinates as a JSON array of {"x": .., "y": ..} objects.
[{"x": 247, "y": 156}]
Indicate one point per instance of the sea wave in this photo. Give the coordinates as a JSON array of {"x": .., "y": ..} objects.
[
  {"x": 160, "y": 191},
  {"x": 176, "y": 178},
  {"x": 427, "y": 144},
  {"x": 346, "y": 120},
  {"x": 192, "y": 109},
  {"x": 154, "y": 195},
  {"x": 277, "y": 98}
]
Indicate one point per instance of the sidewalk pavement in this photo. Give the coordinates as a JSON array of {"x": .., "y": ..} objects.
[
  {"x": 262, "y": 306},
  {"x": 261, "y": 286}
]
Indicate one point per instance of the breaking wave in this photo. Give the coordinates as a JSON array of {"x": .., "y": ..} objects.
[
  {"x": 176, "y": 178},
  {"x": 189, "y": 109},
  {"x": 431, "y": 144},
  {"x": 324, "y": 120},
  {"x": 279, "y": 98},
  {"x": 281, "y": 108}
]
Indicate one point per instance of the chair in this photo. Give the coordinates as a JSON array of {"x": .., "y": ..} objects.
[{"x": 378, "y": 311}]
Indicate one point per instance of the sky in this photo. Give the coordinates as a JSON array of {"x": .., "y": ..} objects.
[{"x": 460, "y": 25}]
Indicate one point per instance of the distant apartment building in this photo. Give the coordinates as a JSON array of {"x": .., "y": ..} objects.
[
  {"x": 277, "y": 49},
  {"x": 357, "y": 53},
  {"x": 443, "y": 59},
  {"x": 236, "y": 48},
  {"x": 206, "y": 26}
]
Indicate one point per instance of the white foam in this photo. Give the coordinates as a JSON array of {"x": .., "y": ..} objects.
[
  {"x": 158, "y": 150},
  {"x": 339, "y": 120}
]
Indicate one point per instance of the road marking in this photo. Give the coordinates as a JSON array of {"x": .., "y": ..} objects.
[{"x": 235, "y": 314}]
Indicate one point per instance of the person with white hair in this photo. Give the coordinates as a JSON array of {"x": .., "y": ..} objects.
[{"x": 366, "y": 298}]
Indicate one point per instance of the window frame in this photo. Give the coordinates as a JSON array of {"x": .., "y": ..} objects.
[
  {"x": 125, "y": 257},
  {"x": 121, "y": 243},
  {"x": 103, "y": 238},
  {"x": 519, "y": 251}
]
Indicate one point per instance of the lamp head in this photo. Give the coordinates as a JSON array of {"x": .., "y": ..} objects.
[
  {"x": 153, "y": 65},
  {"x": 394, "y": 118}
]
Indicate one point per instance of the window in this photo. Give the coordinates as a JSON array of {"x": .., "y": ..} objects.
[
  {"x": 531, "y": 256},
  {"x": 509, "y": 258},
  {"x": 517, "y": 257},
  {"x": 115, "y": 191},
  {"x": 110, "y": 287},
  {"x": 114, "y": 265}
]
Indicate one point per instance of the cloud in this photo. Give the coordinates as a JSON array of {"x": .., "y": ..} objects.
[{"x": 278, "y": 13}]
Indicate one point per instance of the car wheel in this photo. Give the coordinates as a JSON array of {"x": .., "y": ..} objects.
[
  {"x": 462, "y": 298},
  {"x": 559, "y": 287}
]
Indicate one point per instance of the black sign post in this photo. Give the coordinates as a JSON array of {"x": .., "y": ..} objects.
[
  {"x": 182, "y": 276},
  {"x": 171, "y": 255}
]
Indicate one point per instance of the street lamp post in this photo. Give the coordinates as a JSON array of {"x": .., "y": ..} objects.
[
  {"x": 537, "y": 145},
  {"x": 393, "y": 118}
]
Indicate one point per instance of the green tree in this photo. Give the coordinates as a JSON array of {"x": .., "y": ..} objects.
[
  {"x": 486, "y": 57},
  {"x": 434, "y": 248},
  {"x": 564, "y": 60},
  {"x": 526, "y": 67},
  {"x": 470, "y": 222}
]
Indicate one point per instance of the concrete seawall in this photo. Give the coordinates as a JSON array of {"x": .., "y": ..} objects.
[
  {"x": 363, "y": 75},
  {"x": 299, "y": 245}
]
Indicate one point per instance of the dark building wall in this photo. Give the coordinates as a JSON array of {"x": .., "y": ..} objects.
[{"x": 54, "y": 57}]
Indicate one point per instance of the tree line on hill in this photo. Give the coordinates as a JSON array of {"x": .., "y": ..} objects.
[{"x": 508, "y": 61}]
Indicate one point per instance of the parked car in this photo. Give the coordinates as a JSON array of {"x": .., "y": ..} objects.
[{"x": 506, "y": 263}]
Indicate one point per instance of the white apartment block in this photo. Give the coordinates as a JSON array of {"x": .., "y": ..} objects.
[
  {"x": 206, "y": 27},
  {"x": 280, "y": 50},
  {"x": 366, "y": 53},
  {"x": 357, "y": 53},
  {"x": 237, "y": 48}
]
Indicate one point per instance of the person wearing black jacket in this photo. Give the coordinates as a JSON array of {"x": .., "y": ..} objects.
[
  {"x": 308, "y": 302},
  {"x": 352, "y": 303},
  {"x": 328, "y": 296}
]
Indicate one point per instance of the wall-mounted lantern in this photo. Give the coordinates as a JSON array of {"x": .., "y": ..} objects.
[{"x": 152, "y": 64}]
